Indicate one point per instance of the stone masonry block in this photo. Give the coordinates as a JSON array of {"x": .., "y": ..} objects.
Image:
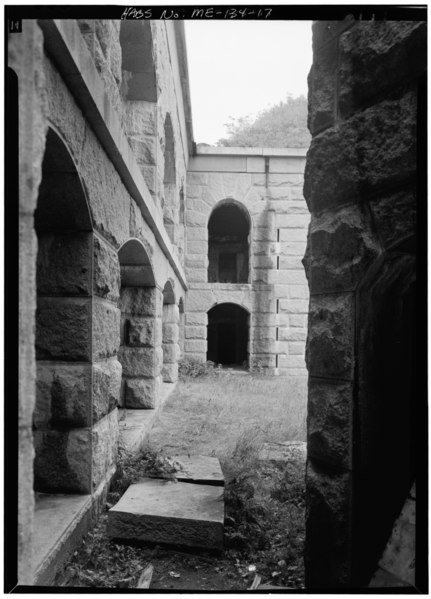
[
  {"x": 195, "y": 332},
  {"x": 170, "y": 333},
  {"x": 197, "y": 247},
  {"x": 199, "y": 300},
  {"x": 140, "y": 118},
  {"x": 63, "y": 461},
  {"x": 195, "y": 346},
  {"x": 106, "y": 387},
  {"x": 330, "y": 336},
  {"x": 394, "y": 216},
  {"x": 104, "y": 438},
  {"x": 63, "y": 329},
  {"x": 106, "y": 329},
  {"x": 330, "y": 407},
  {"x": 64, "y": 264},
  {"x": 140, "y": 393},
  {"x": 63, "y": 395},
  {"x": 170, "y": 373},
  {"x": 171, "y": 353},
  {"x": 196, "y": 319},
  {"x": 106, "y": 276},
  {"x": 196, "y": 219},
  {"x": 328, "y": 527},
  {"x": 298, "y": 320},
  {"x": 197, "y": 275},
  {"x": 141, "y": 332},
  {"x": 298, "y": 292},
  {"x": 141, "y": 301},
  {"x": 296, "y": 348},
  {"x": 159, "y": 361},
  {"x": 376, "y": 56},
  {"x": 322, "y": 85},
  {"x": 294, "y": 306},
  {"x": 137, "y": 361},
  {"x": 359, "y": 164}
]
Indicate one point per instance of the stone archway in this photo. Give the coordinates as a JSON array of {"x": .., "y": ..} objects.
[{"x": 228, "y": 332}]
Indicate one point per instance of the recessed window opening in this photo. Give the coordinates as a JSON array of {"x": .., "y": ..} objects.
[
  {"x": 277, "y": 304},
  {"x": 278, "y": 262},
  {"x": 276, "y": 360},
  {"x": 276, "y": 334},
  {"x": 137, "y": 61},
  {"x": 278, "y": 234},
  {"x": 228, "y": 326},
  {"x": 228, "y": 245}
]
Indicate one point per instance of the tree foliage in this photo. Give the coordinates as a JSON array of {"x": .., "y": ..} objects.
[{"x": 281, "y": 126}]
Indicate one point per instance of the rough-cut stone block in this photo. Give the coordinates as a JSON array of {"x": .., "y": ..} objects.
[
  {"x": 138, "y": 300},
  {"x": 199, "y": 300},
  {"x": 140, "y": 393},
  {"x": 63, "y": 329},
  {"x": 195, "y": 346},
  {"x": 144, "y": 149},
  {"x": 140, "y": 118},
  {"x": 171, "y": 353},
  {"x": 106, "y": 329},
  {"x": 296, "y": 348},
  {"x": 106, "y": 276},
  {"x": 104, "y": 437},
  {"x": 195, "y": 332},
  {"x": 63, "y": 395},
  {"x": 141, "y": 332},
  {"x": 328, "y": 527},
  {"x": 375, "y": 56},
  {"x": 341, "y": 246},
  {"x": 137, "y": 361},
  {"x": 170, "y": 333},
  {"x": 330, "y": 432},
  {"x": 322, "y": 85},
  {"x": 166, "y": 512},
  {"x": 170, "y": 373},
  {"x": 197, "y": 247},
  {"x": 199, "y": 469},
  {"x": 106, "y": 387},
  {"x": 63, "y": 461},
  {"x": 197, "y": 319},
  {"x": 331, "y": 336},
  {"x": 394, "y": 216},
  {"x": 293, "y": 306},
  {"x": 158, "y": 361},
  {"x": 298, "y": 292},
  {"x": 64, "y": 264},
  {"x": 361, "y": 163}
]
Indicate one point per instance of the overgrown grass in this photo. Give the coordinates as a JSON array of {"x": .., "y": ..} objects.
[{"x": 210, "y": 415}]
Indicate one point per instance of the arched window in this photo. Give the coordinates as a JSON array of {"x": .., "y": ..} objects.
[{"x": 228, "y": 244}]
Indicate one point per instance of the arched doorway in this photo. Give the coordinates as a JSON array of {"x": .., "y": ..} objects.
[
  {"x": 228, "y": 244},
  {"x": 228, "y": 326},
  {"x": 138, "y": 327}
]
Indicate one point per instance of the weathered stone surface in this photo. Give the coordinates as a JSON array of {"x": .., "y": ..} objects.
[
  {"x": 199, "y": 301},
  {"x": 322, "y": 86},
  {"x": 25, "y": 505},
  {"x": 170, "y": 373},
  {"x": 63, "y": 461},
  {"x": 64, "y": 264},
  {"x": 140, "y": 118},
  {"x": 144, "y": 149},
  {"x": 63, "y": 329},
  {"x": 196, "y": 319},
  {"x": 360, "y": 163},
  {"x": 377, "y": 55},
  {"x": 106, "y": 329},
  {"x": 63, "y": 395},
  {"x": 328, "y": 518},
  {"x": 141, "y": 332},
  {"x": 168, "y": 512},
  {"x": 140, "y": 393},
  {"x": 170, "y": 333},
  {"x": 395, "y": 216},
  {"x": 171, "y": 352},
  {"x": 195, "y": 332},
  {"x": 104, "y": 438},
  {"x": 106, "y": 387},
  {"x": 138, "y": 300},
  {"x": 106, "y": 276},
  {"x": 330, "y": 408},
  {"x": 340, "y": 248},
  {"x": 330, "y": 336},
  {"x": 198, "y": 469},
  {"x": 137, "y": 361}
]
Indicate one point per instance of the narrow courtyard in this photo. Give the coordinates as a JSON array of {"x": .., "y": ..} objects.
[{"x": 255, "y": 426}]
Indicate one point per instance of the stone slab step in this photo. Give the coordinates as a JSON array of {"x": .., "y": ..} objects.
[
  {"x": 284, "y": 452},
  {"x": 199, "y": 469},
  {"x": 168, "y": 512}
]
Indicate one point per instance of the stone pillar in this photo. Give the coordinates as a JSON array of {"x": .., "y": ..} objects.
[
  {"x": 171, "y": 348},
  {"x": 25, "y": 57},
  {"x": 139, "y": 345},
  {"x": 362, "y": 115}
]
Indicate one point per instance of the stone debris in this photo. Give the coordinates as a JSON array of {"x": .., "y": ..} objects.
[
  {"x": 167, "y": 512},
  {"x": 198, "y": 469},
  {"x": 284, "y": 452}
]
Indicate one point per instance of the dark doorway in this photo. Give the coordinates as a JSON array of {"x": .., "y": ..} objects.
[
  {"x": 228, "y": 335},
  {"x": 228, "y": 241}
]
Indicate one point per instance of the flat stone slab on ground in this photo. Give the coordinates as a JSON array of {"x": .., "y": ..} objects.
[
  {"x": 199, "y": 469},
  {"x": 168, "y": 512},
  {"x": 284, "y": 452}
]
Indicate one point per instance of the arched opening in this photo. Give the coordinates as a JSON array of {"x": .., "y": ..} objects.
[
  {"x": 228, "y": 326},
  {"x": 170, "y": 203},
  {"x": 62, "y": 417},
  {"x": 228, "y": 244},
  {"x": 170, "y": 335},
  {"x": 138, "y": 327},
  {"x": 137, "y": 64}
]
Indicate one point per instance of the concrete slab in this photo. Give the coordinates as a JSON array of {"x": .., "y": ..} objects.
[
  {"x": 166, "y": 512},
  {"x": 199, "y": 469}
]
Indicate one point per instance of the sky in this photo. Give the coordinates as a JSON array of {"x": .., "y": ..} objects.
[{"x": 237, "y": 68}]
